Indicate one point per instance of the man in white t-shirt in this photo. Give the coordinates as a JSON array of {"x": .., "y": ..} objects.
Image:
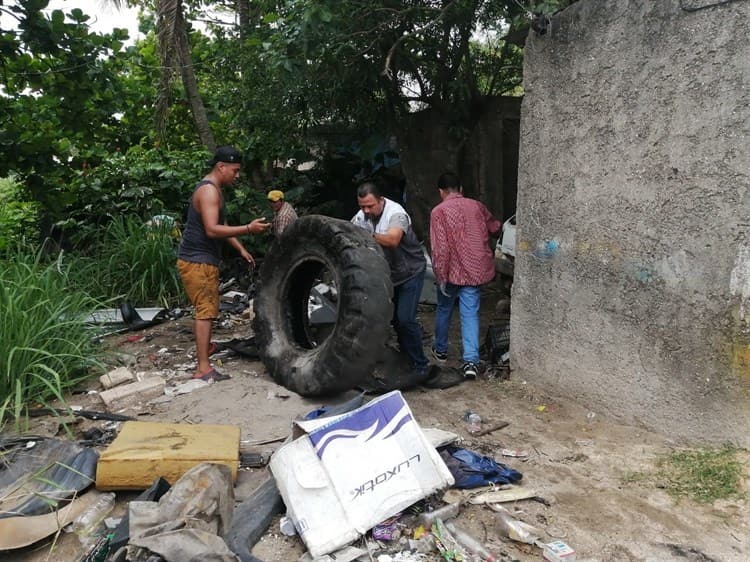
[{"x": 391, "y": 227}]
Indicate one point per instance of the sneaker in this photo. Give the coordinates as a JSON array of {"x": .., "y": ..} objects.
[
  {"x": 470, "y": 370},
  {"x": 440, "y": 356}
]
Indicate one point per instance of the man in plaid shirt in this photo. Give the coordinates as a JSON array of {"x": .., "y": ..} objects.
[
  {"x": 283, "y": 213},
  {"x": 462, "y": 261}
]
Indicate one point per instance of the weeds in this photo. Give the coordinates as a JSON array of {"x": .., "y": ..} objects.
[
  {"x": 45, "y": 345},
  {"x": 703, "y": 475},
  {"x": 133, "y": 262}
]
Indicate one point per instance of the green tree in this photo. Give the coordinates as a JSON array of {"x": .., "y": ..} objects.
[{"x": 61, "y": 99}]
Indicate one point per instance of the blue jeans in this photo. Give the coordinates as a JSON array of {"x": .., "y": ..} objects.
[
  {"x": 468, "y": 306},
  {"x": 405, "y": 301}
]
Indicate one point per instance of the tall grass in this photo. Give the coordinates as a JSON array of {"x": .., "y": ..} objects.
[
  {"x": 135, "y": 262},
  {"x": 45, "y": 345}
]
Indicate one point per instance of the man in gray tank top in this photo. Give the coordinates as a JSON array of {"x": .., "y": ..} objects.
[{"x": 200, "y": 250}]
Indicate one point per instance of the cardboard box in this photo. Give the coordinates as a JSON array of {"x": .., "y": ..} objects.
[
  {"x": 143, "y": 451},
  {"x": 343, "y": 475}
]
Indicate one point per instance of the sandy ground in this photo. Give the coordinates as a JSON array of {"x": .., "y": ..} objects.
[{"x": 579, "y": 461}]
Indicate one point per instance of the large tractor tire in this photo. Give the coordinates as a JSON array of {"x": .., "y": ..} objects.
[{"x": 315, "y": 360}]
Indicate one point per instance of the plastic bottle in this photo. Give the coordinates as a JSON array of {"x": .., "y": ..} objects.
[
  {"x": 508, "y": 526},
  {"x": 470, "y": 543},
  {"x": 87, "y": 522},
  {"x": 446, "y": 512},
  {"x": 474, "y": 422}
]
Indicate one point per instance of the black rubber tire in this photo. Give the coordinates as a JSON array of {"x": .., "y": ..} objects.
[{"x": 362, "y": 278}]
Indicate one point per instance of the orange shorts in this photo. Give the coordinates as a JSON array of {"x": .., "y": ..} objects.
[{"x": 201, "y": 282}]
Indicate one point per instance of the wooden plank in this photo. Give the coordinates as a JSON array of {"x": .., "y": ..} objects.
[{"x": 144, "y": 451}]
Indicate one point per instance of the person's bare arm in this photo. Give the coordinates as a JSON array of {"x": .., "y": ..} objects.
[
  {"x": 391, "y": 238},
  {"x": 397, "y": 227},
  {"x": 237, "y": 245},
  {"x": 207, "y": 202}
]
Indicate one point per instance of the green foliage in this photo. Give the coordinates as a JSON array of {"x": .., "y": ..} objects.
[
  {"x": 70, "y": 98},
  {"x": 133, "y": 261},
  {"x": 18, "y": 217},
  {"x": 46, "y": 346},
  {"x": 142, "y": 183}
]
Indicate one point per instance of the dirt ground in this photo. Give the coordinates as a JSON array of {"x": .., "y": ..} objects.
[{"x": 579, "y": 461}]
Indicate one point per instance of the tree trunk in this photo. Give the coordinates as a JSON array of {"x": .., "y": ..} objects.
[
  {"x": 189, "y": 82},
  {"x": 175, "y": 51},
  {"x": 243, "y": 13}
]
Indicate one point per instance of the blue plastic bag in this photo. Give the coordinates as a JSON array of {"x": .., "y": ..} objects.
[{"x": 471, "y": 470}]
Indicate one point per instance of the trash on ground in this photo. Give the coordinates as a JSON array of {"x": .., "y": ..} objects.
[
  {"x": 286, "y": 526},
  {"x": 40, "y": 479},
  {"x": 508, "y": 526},
  {"x": 235, "y": 296},
  {"x": 473, "y": 422},
  {"x": 497, "y": 342},
  {"x": 253, "y": 460},
  {"x": 144, "y": 451},
  {"x": 17, "y": 532},
  {"x": 446, "y": 543},
  {"x": 116, "y": 377},
  {"x": 121, "y": 534},
  {"x": 346, "y": 554},
  {"x": 513, "y": 494},
  {"x": 88, "y": 523},
  {"x": 322, "y": 307},
  {"x": 444, "y": 513},
  {"x": 515, "y": 453},
  {"x": 387, "y": 530},
  {"x": 242, "y": 346},
  {"x": 128, "y": 395},
  {"x": 471, "y": 470},
  {"x": 470, "y": 544},
  {"x": 439, "y": 437},
  {"x": 342, "y": 475},
  {"x": 186, "y": 387},
  {"x": 491, "y": 428},
  {"x": 187, "y": 523},
  {"x": 77, "y": 411},
  {"x": 558, "y": 551},
  {"x": 253, "y": 517}
]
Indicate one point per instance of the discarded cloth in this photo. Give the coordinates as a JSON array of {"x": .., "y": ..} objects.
[
  {"x": 471, "y": 470},
  {"x": 187, "y": 523}
]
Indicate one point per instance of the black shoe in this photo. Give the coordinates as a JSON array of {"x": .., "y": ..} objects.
[
  {"x": 439, "y": 356},
  {"x": 441, "y": 377},
  {"x": 470, "y": 370}
]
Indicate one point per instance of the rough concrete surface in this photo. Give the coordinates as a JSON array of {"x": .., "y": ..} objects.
[{"x": 632, "y": 288}]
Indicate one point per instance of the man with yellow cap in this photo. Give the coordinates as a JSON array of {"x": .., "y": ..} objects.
[{"x": 283, "y": 213}]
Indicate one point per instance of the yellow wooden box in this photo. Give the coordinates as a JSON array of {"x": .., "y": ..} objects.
[{"x": 144, "y": 451}]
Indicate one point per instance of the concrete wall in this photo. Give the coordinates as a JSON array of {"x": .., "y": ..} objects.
[{"x": 632, "y": 290}]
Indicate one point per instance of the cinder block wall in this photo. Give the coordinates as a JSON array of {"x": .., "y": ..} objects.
[{"x": 632, "y": 290}]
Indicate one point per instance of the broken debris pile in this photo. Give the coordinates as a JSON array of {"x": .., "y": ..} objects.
[{"x": 358, "y": 481}]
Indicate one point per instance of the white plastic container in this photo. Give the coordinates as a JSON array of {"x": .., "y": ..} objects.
[
  {"x": 507, "y": 242},
  {"x": 558, "y": 551}
]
